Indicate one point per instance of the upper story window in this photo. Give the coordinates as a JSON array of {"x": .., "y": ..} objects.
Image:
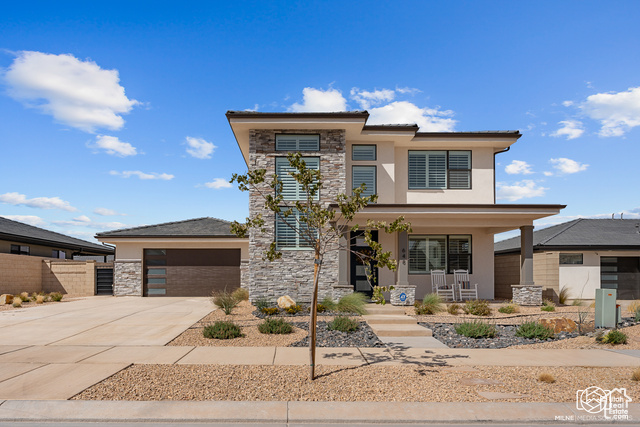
[
  {"x": 364, "y": 175},
  {"x": 20, "y": 250},
  {"x": 297, "y": 142},
  {"x": 293, "y": 232},
  {"x": 291, "y": 190},
  {"x": 58, "y": 254},
  {"x": 439, "y": 169},
  {"x": 363, "y": 152}
]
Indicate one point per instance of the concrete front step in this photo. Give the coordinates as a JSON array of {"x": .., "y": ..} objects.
[
  {"x": 386, "y": 330},
  {"x": 391, "y": 319},
  {"x": 375, "y": 309}
]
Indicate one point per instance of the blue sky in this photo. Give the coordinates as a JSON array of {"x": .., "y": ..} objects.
[{"x": 112, "y": 114}]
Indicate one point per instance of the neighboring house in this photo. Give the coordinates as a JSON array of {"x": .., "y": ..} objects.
[
  {"x": 443, "y": 183},
  {"x": 582, "y": 255},
  {"x": 22, "y": 239},
  {"x": 182, "y": 258}
]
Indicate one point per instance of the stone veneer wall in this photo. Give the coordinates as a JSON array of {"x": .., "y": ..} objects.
[
  {"x": 292, "y": 274},
  {"x": 527, "y": 294},
  {"x": 409, "y": 292},
  {"x": 127, "y": 277}
]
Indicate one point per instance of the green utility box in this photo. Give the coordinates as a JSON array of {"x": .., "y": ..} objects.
[{"x": 606, "y": 310}]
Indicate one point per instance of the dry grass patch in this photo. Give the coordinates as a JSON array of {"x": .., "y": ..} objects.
[
  {"x": 635, "y": 376},
  {"x": 546, "y": 377}
]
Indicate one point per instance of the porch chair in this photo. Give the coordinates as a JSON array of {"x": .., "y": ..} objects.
[
  {"x": 461, "y": 281},
  {"x": 439, "y": 285}
]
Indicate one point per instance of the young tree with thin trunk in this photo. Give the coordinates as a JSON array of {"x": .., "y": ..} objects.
[{"x": 319, "y": 224}]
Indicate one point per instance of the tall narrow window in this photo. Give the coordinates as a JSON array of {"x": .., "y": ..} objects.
[
  {"x": 291, "y": 190},
  {"x": 460, "y": 169},
  {"x": 286, "y": 142},
  {"x": 364, "y": 175}
]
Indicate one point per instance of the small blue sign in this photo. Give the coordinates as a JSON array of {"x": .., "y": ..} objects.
[{"x": 403, "y": 297}]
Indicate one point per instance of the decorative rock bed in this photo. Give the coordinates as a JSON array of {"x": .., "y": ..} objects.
[{"x": 363, "y": 337}]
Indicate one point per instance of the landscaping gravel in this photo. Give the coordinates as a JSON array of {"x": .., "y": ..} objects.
[{"x": 363, "y": 337}]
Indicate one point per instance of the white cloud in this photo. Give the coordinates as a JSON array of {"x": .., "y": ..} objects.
[
  {"x": 106, "y": 212},
  {"x": 617, "y": 112},
  {"x": 547, "y": 173},
  {"x": 77, "y": 93},
  {"x": 404, "y": 112},
  {"x": 568, "y": 166},
  {"x": 85, "y": 221},
  {"x": 519, "y": 190},
  {"x": 567, "y": 103},
  {"x": 218, "y": 183},
  {"x": 366, "y": 99},
  {"x": 518, "y": 167},
  {"x": 27, "y": 219},
  {"x": 143, "y": 175},
  {"x": 572, "y": 129},
  {"x": 407, "y": 90},
  {"x": 318, "y": 100},
  {"x": 112, "y": 145},
  {"x": 37, "y": 202},
  {"x": 199, "y": 148}
]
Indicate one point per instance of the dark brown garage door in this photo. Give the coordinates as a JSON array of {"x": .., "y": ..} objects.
[{"x": 190, "y": 272}]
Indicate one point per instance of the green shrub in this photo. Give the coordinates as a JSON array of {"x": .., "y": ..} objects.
[
  {"x": 321, "y": 308},
  {"x": 508, "y": 309},
  {"x": 56, "y": 296},
  {"x": 615, "y": 337},
  {"x": 261, "y": 303},
  {"x": 548, "y": 308},
  {"x": 343, "y": 324},
  {"x": 453, "y": 308},
  {"x": 293, "y": 309},
  {"x": 241, "y": 294},
  {"x": 225, "y": 301},
  {"x": 270, "y": 311},
  {"x": 431, "y": 304},
  {"x": 477, "y": 307},
  {"x": 564, "y": 295},
  {"x": 636, "y": 317},
  {"x": 352, "y": 303},
  {"x": 476, "y": 329},
  {"x": 534, "y": 330},
  {"x": 222, "y": 330},
  {"x": 275, "y": 326}
]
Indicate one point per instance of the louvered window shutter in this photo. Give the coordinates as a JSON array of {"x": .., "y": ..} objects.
[
  {"x": 363, "y": 152},
  {"x": 365, "y": 175},
  {"x": 291, "y": 190},
  {"x": 460, "y": 169},
  {"x": 297, "y": 142},
  {"x": 437, "y": 169},
  {"x": 417, "y": 169}
]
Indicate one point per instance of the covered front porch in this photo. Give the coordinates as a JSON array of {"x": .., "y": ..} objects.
[{"x": 447, "y": 237}]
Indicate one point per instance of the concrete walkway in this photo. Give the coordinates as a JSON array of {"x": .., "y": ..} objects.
[{"x": 397, "y": 330}]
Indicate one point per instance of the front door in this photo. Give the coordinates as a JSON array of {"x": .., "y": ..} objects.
[{"x": 360, "y": 265}]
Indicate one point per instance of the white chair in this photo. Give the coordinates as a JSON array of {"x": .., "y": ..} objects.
[
  {"x": 439, "y": 285},
  {"x": 465, "y": 289}
]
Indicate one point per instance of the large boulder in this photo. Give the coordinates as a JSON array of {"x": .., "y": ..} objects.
[
  {"x": 559, "y": 324},
  {"x": 6, "y": 299},
  {"x": 286, "y": 302}
]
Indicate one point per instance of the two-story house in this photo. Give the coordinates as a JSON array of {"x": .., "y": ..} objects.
[{"x": 443, "y": 183}]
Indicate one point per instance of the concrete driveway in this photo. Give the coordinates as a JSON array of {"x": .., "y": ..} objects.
[{"x": 103, "y": 321}]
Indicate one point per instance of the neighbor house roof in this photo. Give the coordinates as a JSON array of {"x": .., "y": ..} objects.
[
  {"x": 581, "y": 233},
  {"x": 197, "y": 227},
  {"x": 23, "y": 233}
]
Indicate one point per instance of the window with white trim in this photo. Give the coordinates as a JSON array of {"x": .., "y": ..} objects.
[
  {"x": 439, "y": 169},
  {"x": 287, "y": 235},
  {"x": 292, "y": 190},
  {"x": 364, "y": 175},
  {"x": 285, "y": 142},
  {"x": 439, "y": 252}
]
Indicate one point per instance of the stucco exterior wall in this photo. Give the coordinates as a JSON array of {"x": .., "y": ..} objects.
[{"x": 133, "y": 248}]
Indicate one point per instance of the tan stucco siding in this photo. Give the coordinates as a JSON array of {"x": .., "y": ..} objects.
[{"x": 133, "y": 249}]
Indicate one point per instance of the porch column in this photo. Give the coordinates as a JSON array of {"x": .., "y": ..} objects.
[
  {"x": 526, "y": 255},
  {"x": 343, "y": 260},
  {"x": 403, "y": 259}
]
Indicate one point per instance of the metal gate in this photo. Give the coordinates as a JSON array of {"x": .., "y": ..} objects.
[{"x": 105, "y": 281}]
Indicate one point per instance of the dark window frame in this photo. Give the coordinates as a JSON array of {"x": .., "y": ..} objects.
[
  {"x": 375, "y": 152},
  {"x": 448, "y": 169},
  {"x": 448, "y": 252},
  {"x": 569, "y": 254},
  {"x": 298, "y": 143},
  {"x": 375, "y": 176},
  {"x": 17, "y": 250}
]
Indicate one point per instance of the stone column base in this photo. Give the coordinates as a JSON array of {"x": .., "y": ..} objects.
[
  {"x": 403, "y": 295},
  {"x": 527, "y": 294},
  {"x": 338, "y": 291}
]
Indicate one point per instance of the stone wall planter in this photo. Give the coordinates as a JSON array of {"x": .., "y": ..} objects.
[
  {"x": 530, "y": 295},
  {"x": 403, "y": 295},
  {"x": 338, "y": 291}
]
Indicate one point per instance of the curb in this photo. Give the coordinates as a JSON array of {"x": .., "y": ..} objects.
[{"x": 298, "y": 412}]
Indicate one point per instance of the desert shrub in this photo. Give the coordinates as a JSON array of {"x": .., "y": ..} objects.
[
  {"x": 293, "y": 309},
  {"x": 508, "y": 309},
  {"x": 275, "y": 326},
  {"x": 636, "y": 316},
  {"x": 241, "y": 294},
  {"x": 329, "y": 303},
  {"x": 261, "y": 303},
  {"x": 548, "y": 305},
  {"x": 40, "y": 299},
  {"x": 478, "y": 307},
  {"x": 343, "y": 324},
  {"x": 431, "y": 304},
  {"x": 270, "y": 311},
  {"x": 33, "y": 296},
  {"x": 546, "y": 377},
  {"x": 222, "y": 330},
  {"x": 225, "y": 301},
  {"x": 577, "y": 302},
  {"x": 55, "y": 296},
  {"x": 17, "y": 301},
  {"x": 321, "y": 308},
  {"x": 564, "y": 295},
  {"x": 635, "y": 375},
  {"x": 633, "y": 306},
  {"x": 476, "y": 329},
  {"x": 615, "y": 337},
  {"x": 352, "y": 303},
  {"x": 453, "y": 308},
  {"x": 24, "y": 296},
  {"x": 533, "y": 330}
]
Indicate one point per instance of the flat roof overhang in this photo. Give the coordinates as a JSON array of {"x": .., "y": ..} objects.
[
  {"x": 494, "y": 218},
  {"x": 44, "y": 242}
]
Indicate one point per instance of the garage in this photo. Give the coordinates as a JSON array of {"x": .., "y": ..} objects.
[{"x": 190, "y": 272}]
